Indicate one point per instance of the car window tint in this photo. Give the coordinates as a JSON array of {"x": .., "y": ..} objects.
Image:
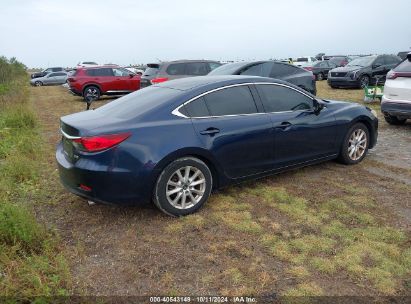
[
  {"x": 196, "y": 68},
  {"x": 100, "y": 72},
  {"x": 196, "y": 108},
  {"x": 214, "y": 65},
  {"x": 231, "y": 101},
  {"x": 279, "y": 99},
  {"x": 280, "y": 70},
  {"x": 60, "y": 74},
  {"x": 150, "y": 71},
  {"x": 404, "y": 66},
  {"x": 118, "y": 72},
  {"x": 379, "y": 60},
  {"x": 176, "y": 69},
  {"x": 261, "y": 69},
  {"x": 52, "y": 74}
]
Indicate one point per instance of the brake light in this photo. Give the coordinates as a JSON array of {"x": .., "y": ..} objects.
[
  {"x": 158, "y": 80},
  {"x": 70, "y": 79},
  {"x": 308, "y": 68},
  {"x": 101, "y": 142}
]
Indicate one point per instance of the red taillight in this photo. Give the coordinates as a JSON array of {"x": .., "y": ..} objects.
[
  {"x": 393, "y": 75},
  {"x": 158, "y": 80},
  {"x": 85, "y": 188},
  {"x": 308, "y": 68},
  {"x": 101, "y": 142}
]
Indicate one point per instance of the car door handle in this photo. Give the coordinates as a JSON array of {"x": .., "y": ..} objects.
[
  {"x": 210, "y": 131},
  {"x": 284, "y": 125}
]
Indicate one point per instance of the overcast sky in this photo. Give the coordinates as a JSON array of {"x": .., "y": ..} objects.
[{"x": 45, "y": 33}]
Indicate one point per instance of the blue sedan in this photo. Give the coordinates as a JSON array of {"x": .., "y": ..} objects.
[{"x": 173, "y": 143}]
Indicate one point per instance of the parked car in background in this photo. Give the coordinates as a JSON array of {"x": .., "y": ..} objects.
[
  {"x": 403, "y": 55},
  {"x": 86, "y": 64},
  {"x": 320, "y": 69},
  {"x": 396, "y": 101},
  {"x": 47, "y": 71},
  {"x": 92, "y": 82},
  {"x": 163, "y": 71},
  {"x": 362, "y": 71},
  {"x": 273, "y": 69},
  {"x": 339, "y": 61},
  {"x": 56, "y": 78},
  {"x": 301, "y": 60},
  {"x": 173, "y": 143},
  {"x": 135, "y": 70}
]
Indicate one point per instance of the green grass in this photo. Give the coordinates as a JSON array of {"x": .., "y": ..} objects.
[{"x": 31, "y": 263}]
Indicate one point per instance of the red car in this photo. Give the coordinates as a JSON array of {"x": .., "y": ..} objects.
[{"x": 92, "y": 82}]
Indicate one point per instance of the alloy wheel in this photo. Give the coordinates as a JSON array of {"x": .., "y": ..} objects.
[
  {"x": 357, "y": 144},
  {"x": 91, "y": 94},
  {"x": 364, "y": 81},
  {"x": 186, "y": 187}
]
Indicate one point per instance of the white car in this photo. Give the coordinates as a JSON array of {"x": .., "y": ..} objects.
[
  {"x": 304, "y": 60},
  {"x": 86, "y": 64},
  {"x": 135, "y": 71},
  {"x": 396, "y": 101}
]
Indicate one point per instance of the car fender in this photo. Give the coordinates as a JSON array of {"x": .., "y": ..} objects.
[{"x": 91, "y": 84}]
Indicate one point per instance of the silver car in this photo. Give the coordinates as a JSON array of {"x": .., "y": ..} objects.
[{"x": 55, "y": 78}]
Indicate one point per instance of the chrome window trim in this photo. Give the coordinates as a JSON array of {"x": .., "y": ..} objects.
[
  {"x": 69, "y": 136},
  {"x": 176, "y": 111}
]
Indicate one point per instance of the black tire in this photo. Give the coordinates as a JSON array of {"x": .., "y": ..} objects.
[
  {"x": 393, "y": 120},
  {"x": 91, "y": 93},
  {"x": 160, "y": 198},
  {"x": 344, "y": 156},
  {"x": 38, "y": 83},
  {"x": 364, "y": 81},
  {"x": 320, "y": 76}
]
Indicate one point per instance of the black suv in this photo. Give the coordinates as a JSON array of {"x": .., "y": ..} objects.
[
  {"x": 273, "y": 69},
  {"x": 160, "y": 72},
  {"x": 362, "y": 71},
  {"x": 47, "y": 71}
]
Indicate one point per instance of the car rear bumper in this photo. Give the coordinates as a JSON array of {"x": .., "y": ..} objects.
[
  {"x": 343, "y": 82},
  {"x": 393, "y": 107},
  {"x": 106, "y": 184}
]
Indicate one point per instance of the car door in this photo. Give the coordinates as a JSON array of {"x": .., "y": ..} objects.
[
  {"x": 299, "y": 133},
  {"x": 236, "y": 132},
  {"x": 60, "y": 78},
  {"x": 50, "y": 79},
  {"x": 121, "y": 81}
]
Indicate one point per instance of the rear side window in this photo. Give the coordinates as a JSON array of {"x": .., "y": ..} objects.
[
  {"x": 261, "y": 69},
  {"x": 231, "y": 101},
  {"x": 196, "y": 108},
  {"x": 280, "y": 99},
  {"x": 100, "y": 72},
  {"x": 151, "y": 71},
  {"x": 404, "y": 66},
  {"x": 176, "y": 69},
  {"x": 280, "y": 70},
  {"x": 196, "y": 68}
]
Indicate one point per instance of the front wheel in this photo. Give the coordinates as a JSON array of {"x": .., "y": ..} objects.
[
  {"x": 355, "y": 145},
  {"x": 38, "y": 83},
  {"x": 320, "y": 76},
  {"x": 183, "y": 187},
  {"x": 364, "y": 81}
]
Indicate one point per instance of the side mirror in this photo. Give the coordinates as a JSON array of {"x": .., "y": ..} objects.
[{"x": 317, "y": 106}]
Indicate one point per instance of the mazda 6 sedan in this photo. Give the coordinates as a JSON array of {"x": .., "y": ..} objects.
[{"x": 173, "y": 143}]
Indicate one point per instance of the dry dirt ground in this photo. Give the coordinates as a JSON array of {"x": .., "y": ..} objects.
[{"x": 327, "y": 229}]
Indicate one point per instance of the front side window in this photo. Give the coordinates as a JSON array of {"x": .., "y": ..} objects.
[
  {"x": 278, "y": 98},
  {"x": 52, "y": 74},
  {"x": 118, "y": 72},
  {"x": 176, "y": 69},
  {"x": 196, "y": 69},
  {"x": 231, "y": 101},
  {"x": 379, "y": 61}
]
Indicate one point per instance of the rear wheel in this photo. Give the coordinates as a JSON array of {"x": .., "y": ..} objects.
[
  {"x": 393, "y": 120},
  {"x": 320, "y": 76},
  {"x": 355, "y": 145},
  {"x": 38, "y": 83},
  {"x": 183, "y": 187},
  {"x": 91, "y": 93}
]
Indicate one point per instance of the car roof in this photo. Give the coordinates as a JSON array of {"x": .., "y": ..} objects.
[
  {"x": 185, "y": 84},
  {"x": 181, "y": 61}
]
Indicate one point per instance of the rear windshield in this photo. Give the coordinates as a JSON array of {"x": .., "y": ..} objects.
[
  {"x": 139, "y": 102},
  {"x": 404, "y": 66},
  {"x": 150, "y": 71},
  {"x": 227, "y": 69}
]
